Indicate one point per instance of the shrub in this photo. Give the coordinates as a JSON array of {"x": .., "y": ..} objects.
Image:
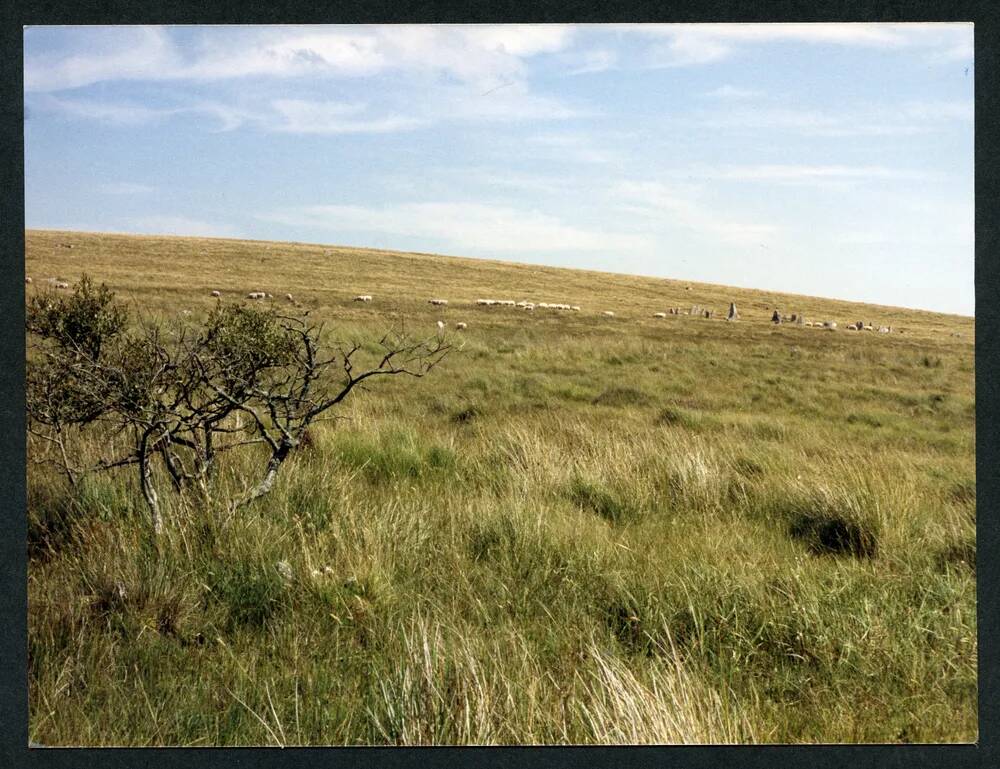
[{"x": 622, "y": 396}]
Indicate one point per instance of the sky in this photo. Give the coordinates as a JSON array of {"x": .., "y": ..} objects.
[{"x": 823, "y": 159}]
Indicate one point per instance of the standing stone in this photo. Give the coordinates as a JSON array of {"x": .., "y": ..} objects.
[
  {"x": 733, "y": 312},
  {"x": 776, "y": 317}
]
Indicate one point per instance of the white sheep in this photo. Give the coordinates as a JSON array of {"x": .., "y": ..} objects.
[
  {"x": 61, "y": 284},
  {"x": 608, "y": 314},
  {"x": 659, "y": 315},
  {"x": 543, "y": 304},
  {"x": 289, "y": 297},
  {"x": 27, "y": 279},
  {"x": 507, "y": 302},
  {"x": 216, "y": 293},
  {"x": 440, "y": 325},
  {"x": 575, "y": 308},
  {"x": 486, "y": 302},
  {"x": 439, "y": 302},
  {"x": 363, "y": 298},
  {"x": 461, "y": 325}
]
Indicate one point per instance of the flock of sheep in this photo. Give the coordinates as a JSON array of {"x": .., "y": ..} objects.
[{"x": 696, "y": 311}]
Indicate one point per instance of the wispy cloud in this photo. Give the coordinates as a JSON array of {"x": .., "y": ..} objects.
[
  {"x": 733, "y": 92},
  {"x": 125, "y": 188},
  {"x": 682, "y": 45},
  {"x": 131, "y": 114},
  {"x": 178, "y": 225},
  {"x": 674, "y": 207},
  {"x": 807, "y": 174},
  {"x": 327, "y": 117},
  {"x": 482, "y": 54},
  {"x": 906, "y": 119},
  {"x": 468, "y": 227}
]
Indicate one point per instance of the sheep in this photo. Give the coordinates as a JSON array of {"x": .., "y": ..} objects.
[
  {"x": 709, "y": 314},
  {"x": 256, "y": 295},
  {"x": 61, "y": 284},
  {"x": 460, "y": 326},
  {"x": 269, "y": 296},
  {"x": 830, "y": 324},
  {"x": 506, "y": 302},
  {"x": 486, "y": 302},
  {"x": 438, "y": 302},
  {"x": 608, "y": 314},
  {"x": 543, "y": 304},
  {"x": 867, "y": 328},
  {"x": 27, "y": 279},
  {"x": 659, "y": 315},
  {"x": 289, "y": 298},
  {"x": 216, "y": 293},
  {"x": 440, "y": 325},
  {"x": 363, "y": 298},
  {"x": 851, "y": 327},
  {"x": 885, "y": 329},
  {"x": 575, "y": 308}
]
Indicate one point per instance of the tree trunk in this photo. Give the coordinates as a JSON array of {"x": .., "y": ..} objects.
[{"x": 146, "y": 484}]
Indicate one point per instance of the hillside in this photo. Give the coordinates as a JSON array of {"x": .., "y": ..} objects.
[{"x": 577, "y": 529}]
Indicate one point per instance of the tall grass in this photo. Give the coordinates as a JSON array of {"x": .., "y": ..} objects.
[{"x": 573, "y": 532}]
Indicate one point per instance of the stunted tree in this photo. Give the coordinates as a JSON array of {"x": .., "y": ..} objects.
[{"x": 179, "y": 398}]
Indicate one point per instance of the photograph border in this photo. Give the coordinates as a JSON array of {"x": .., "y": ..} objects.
[{"x": 13, "y": 556}]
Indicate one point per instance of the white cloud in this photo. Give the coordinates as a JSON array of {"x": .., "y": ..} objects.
[
  {"x": 125, "y": 188},
  {"x": 469, "y": 227},
  {"x": 178, "y": 225},
  {"x": 733, "y": 92},
  {"x": 907, "y": 119},
  {"x": 482, "y": 54},
  {"x": 678, "y": 208},
  {"x": 805, "y": 174},
  {"x": 692, "y": 44},
  {"x": 592, "y": 61},
  {"x": 574, "y": 148},
  {"x": 127, "y": 114},
  {"x": 327, "y": 117}
]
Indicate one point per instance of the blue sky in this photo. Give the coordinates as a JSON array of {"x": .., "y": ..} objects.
[{"x": 824, "y": 159}]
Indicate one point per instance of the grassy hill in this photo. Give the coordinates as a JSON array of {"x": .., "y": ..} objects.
[{"x": 577, "y": 529}]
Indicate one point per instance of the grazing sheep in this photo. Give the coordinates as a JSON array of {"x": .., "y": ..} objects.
[
  {"x": 575, "y": 308},
  {"x": 733, "y": 313},
  {"x": 867, "y": 328},
  {"x": 487, "y": 302},
  {"x": 461, "y": 325},
  {"x": 363, "y": 298},
  {"x": 659, "y": 315},
  {"x": 830, "y": 324},
  {"x": 850, "y": 327},
  {"x": 608, "y": 314},
  {"x": 542, "y": 304},
  {"x": 438, "y": 302},
  {"x": 27, "y": 279},
  {"x": 505, "y": 302},
  {"x": 61, "y": 284},
  {"x": 216, "y": 293},
  {"x": 289, "y": 297},
  {"x": 440, "y": 325},
  {"x": 269, "y": 296}
]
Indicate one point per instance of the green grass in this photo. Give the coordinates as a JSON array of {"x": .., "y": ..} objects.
[{"x": 576, "y": 530}]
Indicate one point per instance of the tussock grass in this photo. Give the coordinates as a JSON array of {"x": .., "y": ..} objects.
[{"x": 575, "y": 531}]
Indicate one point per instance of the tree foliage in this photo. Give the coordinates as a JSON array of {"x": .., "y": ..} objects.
[{"x": 180, "y": 397}]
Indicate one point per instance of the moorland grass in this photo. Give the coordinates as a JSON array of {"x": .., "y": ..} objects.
[{"x": 576, "y": 530}]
